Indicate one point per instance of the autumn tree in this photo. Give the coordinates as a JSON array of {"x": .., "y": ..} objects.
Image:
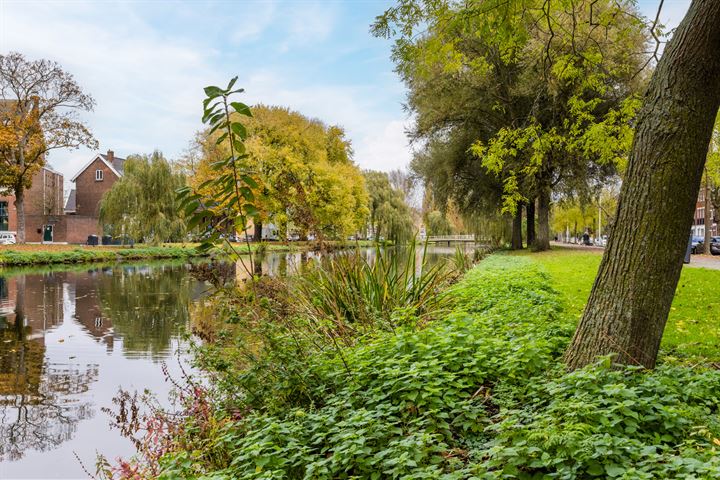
[
  {"x": 39, "y": 107},
  {"x": 306, "y": 179},
  {"x": 143, "y": 203}
]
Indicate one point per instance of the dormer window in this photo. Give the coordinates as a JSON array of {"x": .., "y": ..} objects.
[{"x": 98, "y": 175}]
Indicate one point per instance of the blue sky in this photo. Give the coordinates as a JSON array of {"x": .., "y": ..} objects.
[{"x": 145, "y": 62}]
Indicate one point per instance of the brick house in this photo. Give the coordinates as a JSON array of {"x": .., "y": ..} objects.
[
  {"x": 43, "y": 207},
  {"x": 698, "y": 227},
  {"x": 82, "y": 207}
]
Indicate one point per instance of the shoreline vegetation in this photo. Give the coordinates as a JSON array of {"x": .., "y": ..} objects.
[
  {"x": 25, "y": 255},
  {"x": 473, "y": 389}
]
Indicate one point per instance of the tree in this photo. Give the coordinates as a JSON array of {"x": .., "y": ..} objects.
[
  {"x": 39, "y": 105},
  {"x": 306, "y": 179},
  {"x": 390, "y": 217},
  {"x": 630, "y": 300},
  {"x": 143, "y": 204},
  {"x": 544, "y": 89}
]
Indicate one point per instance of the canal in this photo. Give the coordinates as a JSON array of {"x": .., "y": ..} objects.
[{"x": 71, "y": 338}]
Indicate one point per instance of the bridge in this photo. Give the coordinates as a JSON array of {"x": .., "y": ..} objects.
[{"x": 451, "y": 239}]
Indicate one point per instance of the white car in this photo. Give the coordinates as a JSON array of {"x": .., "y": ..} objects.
[{"x": 7, "y": 239}]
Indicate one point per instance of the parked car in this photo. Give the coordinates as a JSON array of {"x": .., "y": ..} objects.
[
  {"x": 696, "y": 244},
  {"x": 7, "y": 238}
]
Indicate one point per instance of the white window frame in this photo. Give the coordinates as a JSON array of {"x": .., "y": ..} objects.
[{"x": 98, "y": 175}]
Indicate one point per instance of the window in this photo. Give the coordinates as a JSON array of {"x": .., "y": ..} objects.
[
  {"x": 98, "y": 175},
  {"x": 4, "y": 216}
]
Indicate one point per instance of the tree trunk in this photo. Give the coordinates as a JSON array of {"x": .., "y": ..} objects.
[
  {"x": 542, "y": 240},
  {"x": 257, "y": 231},
  {"x": 530, "y": 222},
  {"x": 20, "y": 210},
  {"x": 708, "y": 216},
  {"x": 516, "y": 242},
  {"x": 630, "y": 300}
]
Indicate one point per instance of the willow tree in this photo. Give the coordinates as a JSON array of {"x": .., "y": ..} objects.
[
  {"x": 39, "y": 105},
  {"x": 630, "y": 300},
  {"x": 143, "y": 203},
  {"x": 390, "y": 216}
]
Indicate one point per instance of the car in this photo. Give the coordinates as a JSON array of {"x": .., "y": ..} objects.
[
  {"x": 7, "y": 238},
  {"x": 696, "y": 244}
]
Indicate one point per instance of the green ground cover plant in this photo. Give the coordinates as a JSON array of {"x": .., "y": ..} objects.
[
  {"x": 692, "y": 331},
  {"x": 16, "y": 257},
  {"x": 480, "y": 392}
]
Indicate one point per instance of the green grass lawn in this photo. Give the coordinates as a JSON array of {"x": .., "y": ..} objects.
[{"x": 693, "y": 328}]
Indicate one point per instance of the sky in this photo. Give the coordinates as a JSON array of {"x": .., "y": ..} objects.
[{"x": 146, "y": 63}]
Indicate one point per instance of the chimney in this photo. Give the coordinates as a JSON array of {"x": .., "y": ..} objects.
[{"x": 110, "y": 156}]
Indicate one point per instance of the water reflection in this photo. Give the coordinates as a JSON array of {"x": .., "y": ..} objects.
[{"x": 63, "y": 338}]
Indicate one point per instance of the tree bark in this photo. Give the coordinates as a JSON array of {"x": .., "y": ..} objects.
[
  {"x": 516, "y": 242},
  {"x": 630, "y": 300},
  {"x": 257, "y": 231},
  {"x": 530, "y": 222},
  {"x": 542, "y": 240},
  {"x": 20, "y": 210}
]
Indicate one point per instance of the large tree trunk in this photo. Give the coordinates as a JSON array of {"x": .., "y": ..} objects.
[
  {"x": 20, "y": 210},
  {"x": 542, "y": 240},
  {"x": 630, "y": 300},
  {"x": 257, "y": 231},
  {"x": 516, "y": 241},
  {"x": 530, "y": 221}
]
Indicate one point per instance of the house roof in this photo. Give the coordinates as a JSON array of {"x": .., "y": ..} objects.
[
  {"x": 120, "y": 162},
  {"x": 70, "y": 205}
]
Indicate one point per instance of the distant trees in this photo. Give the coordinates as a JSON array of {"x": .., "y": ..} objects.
[
  {"x": 39, "y": 105},
  {"x": 390, "y": 217},
  {"x": 142, "y": 204},
  {"x": 306, "y": 180}
]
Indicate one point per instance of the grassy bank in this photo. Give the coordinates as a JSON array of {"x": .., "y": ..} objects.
[
  {"x": 22, "y": 255},
  {"x": 480, "y": 392},
  {"x": 693, "y": 328}
]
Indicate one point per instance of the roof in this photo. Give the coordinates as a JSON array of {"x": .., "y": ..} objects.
[
  {"x": 70, "y": 205},
  {"x": 120, "y": 162}
]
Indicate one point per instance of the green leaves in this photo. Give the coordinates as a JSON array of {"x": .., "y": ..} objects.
[{"x": 223, "y": 204}]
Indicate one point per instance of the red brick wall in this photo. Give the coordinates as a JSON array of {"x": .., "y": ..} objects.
[
  {"x": 78, "y": 227},
  {"x": 45, "y": 196},
  {"x": 89, "y": 191}
]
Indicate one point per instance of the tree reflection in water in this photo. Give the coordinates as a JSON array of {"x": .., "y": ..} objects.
[
  {"x": 39, "y": 405},
  {"x": 148, "y": 306}
]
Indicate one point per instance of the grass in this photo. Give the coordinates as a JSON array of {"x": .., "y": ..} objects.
[
  {"x": 40, "y": 254},
  {"x": 693, "y": 328}
]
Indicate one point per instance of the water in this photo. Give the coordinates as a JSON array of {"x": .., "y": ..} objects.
[{"x": 83, "y": 334}]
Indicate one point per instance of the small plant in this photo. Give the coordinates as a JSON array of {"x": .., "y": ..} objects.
[
  {"x": 360, "y": 292},
  {"x": 226, "y": 202}
]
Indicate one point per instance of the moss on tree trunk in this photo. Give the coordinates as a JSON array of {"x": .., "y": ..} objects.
[{"x": 630, "y": 300}]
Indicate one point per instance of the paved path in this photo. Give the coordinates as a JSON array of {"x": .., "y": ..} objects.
[{"x": 698, "y": 261}]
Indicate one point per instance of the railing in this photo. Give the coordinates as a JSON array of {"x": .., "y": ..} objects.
[{"x": 451, "y": 238}]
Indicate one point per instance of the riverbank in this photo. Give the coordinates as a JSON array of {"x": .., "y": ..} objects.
[
  {"x": 480, "y": 391},
  {"x": 24, "y": 255}
]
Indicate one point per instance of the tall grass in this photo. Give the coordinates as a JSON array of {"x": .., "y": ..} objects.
[{"x": 357, "y": 292}]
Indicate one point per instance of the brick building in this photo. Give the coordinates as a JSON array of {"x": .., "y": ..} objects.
[
  {"x": 82, "y": 208},
  {"x": 43, "y": 207},
  {"x": 47, "y": 219},
  {"x": 698, "y": 228}
]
